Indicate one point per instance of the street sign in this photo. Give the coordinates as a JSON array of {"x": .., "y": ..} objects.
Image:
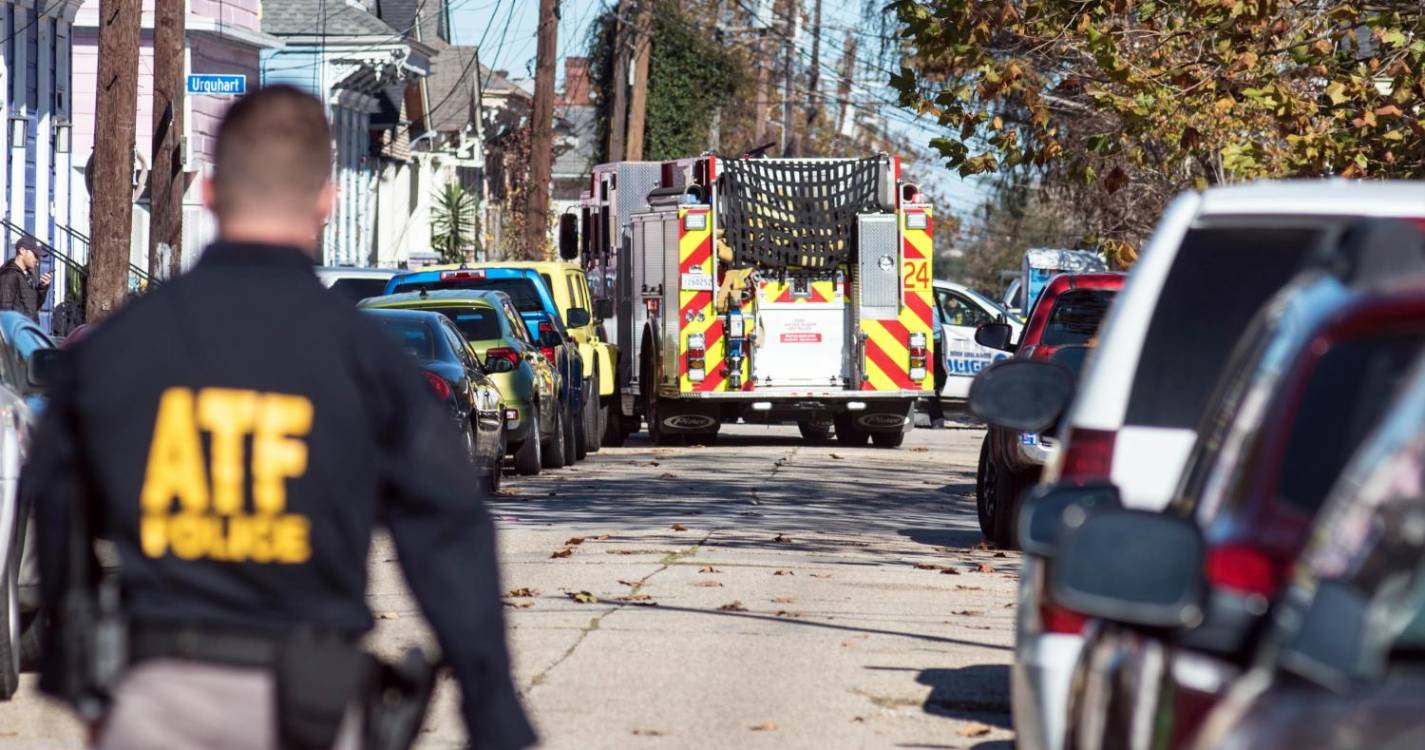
[{"x": 217, "y": 83}]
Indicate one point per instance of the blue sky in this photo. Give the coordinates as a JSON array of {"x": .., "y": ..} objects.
[{"x": 505, "y": 32}]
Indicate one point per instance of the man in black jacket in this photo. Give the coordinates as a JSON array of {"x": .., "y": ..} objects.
[
  {"x": 19, "y": 289},
  {"x": 237, "y": 433}
]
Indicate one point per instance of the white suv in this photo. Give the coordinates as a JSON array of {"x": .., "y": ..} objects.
[{"x": 1214, "y": 258}]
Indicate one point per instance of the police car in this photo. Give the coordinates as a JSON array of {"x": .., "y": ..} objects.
[{"x": 962, "y": 310}]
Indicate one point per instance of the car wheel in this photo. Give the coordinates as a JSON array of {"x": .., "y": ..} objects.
[
  {"x": 529, "y": 458},
  {"x": 614, "y": 434},
  {"x": 888, "y": 439},
  {"x": 555, "y": 443},
  {"x": 573, "y": 437},
  {"x": 593, "y": 432},
  {"x": 1008, "y": 485},
  {"x": 9, "y": 630},
  {"x": 814, "y": 432},
  {"x": 847, "y": 433},
  {"x": 985, "y": 489}
]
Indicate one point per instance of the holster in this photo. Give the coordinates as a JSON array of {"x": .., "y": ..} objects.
[
  {"x": 319, "y": 679},
  {"x": 397, "y": 702}
]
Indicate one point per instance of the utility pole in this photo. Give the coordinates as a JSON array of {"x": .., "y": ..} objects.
[
  {"x": 618, "y": 124},
  {"x": 638, "y": 103},
  {"x": 814, "y": 84},
  {"x": 789, "y": 79},
  {"x": 111, "y": 212},
  {"x": 843, "y": 87},
  {"x": 166, "y": 183},
  {"x": 764, "y": 76},
  {"x": 542, "y": 133}
]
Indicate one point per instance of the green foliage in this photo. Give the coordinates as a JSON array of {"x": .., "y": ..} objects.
[
  {"x": 453, "y": 223},
  {"x": 1118, "y": 100}
]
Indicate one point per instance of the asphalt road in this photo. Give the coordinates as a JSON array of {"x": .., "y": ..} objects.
[{"x": 760, "y": 592}]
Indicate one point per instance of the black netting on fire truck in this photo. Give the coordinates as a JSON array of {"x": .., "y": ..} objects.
[{"x": 795, "y": 214}]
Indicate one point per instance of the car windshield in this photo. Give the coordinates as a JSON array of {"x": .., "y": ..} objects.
[
  {"x": 1076, "y": 316},
  {"x": 357, "y": 289},
  {"x": 522, "y": 290},
  {"x": 475, "y": 323},
  {"x": 413, "y": 336},
  {"x": 1188, "y": 341}
]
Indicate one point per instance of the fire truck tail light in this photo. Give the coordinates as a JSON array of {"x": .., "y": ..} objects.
[
  {"x": 918, "y": 356},
  {"x": 697, "y": 356}
]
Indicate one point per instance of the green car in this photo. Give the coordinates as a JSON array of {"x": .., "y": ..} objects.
[{"x": 496, "y": 333}]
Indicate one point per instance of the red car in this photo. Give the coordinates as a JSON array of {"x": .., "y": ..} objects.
[{"x": 1066, "y": 315}]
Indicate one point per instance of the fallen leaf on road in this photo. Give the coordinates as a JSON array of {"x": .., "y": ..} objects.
[
  {"x": 634, "y": 598},
  {"x": 641, "y": 551},
  {"x": 919, "y": 450},
  {"x": 967, "y": 612},
  {"x": 679, "y": 527},
  {"x": 1001, "y": 554},
  {"x": 649, "y": 732},
  {"x": 1008, "y": 605},
  {"x": 783, "y": 573},
  {"x": 927, "y": 566},
  {"x": 974, "y": 729},
  {"x": 984, "y": 568},
  {"x": 766, "y": 726},
  {"x": 567, "y": 551},
  {"x": 583, "y": 597},
  {"x": 653, "y": 463},
  {"x": 600, "y": 538},
  {"x": 859, "y": 719},
  {"x": 733, "y": 607},
  {"x": 708, "y": 583},
  {"x": 522, "y": 592},
  {"x": 573, "y": 541},
  {"x": 388, "y": 615},
  {"x": 820, "y": 575},
  {"x": 709, "y": 569},
  {"x": 784, "y": 600},
  {"x": 667, "y": 475},
  {"x": 519, "y": 605},
  {"x": 785, "y": 613},
  {"x": 836, "y": 456},
  {"x": 949, "y": 572},
  {"x": 782, "y": 538},
  {"x": 963, "y": 587},
  {"x": 633, "y": 584}
]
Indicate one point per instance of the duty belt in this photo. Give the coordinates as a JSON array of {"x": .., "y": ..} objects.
[{"x": 213, "y": 645}]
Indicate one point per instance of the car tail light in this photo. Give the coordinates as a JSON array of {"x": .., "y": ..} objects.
[
  {"x": 918, "y": 356},
  {"x": 697, "y": 357},
  {"x": 1056, "y": 619},
  {"x": 438, "y": 384},
  {"x": 512, "y": 415},
  {"x": 1242, "y": 569},
  {"x": 504, "y": 353},
  {"x": 1088, "y": 454},
  {"x": 548, "y": 350},
  {"x": 464, "y": 273}
]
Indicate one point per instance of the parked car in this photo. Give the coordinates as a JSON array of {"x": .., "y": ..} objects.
[
  {"x": 471, "y": 399},
  {"x": 542, "y": 316},
  {"x": 962, "y": 310},
  {"x": 355, "y": 283},
  {"x": 583, "y": 318},
  {"x": 1312, "y": 375},
  {"x": 1068, "y": 312},
  {"x": 20, "y": 338},
  {"x": 496, "y": 334},
  {"x": 1160, "y": 353}
]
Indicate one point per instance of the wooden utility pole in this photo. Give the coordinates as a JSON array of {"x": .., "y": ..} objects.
[
  {"x": 542, "y": 133},
  {"x": 618, "y": 123},
  {"x": 789, "y": 79},
  {"x": 814, "y": 83},
  {"x": 638, "y": 102},
  {"x": 764, "y": 81},
  {"x": 843, "y": 87},
  {"x": 166, "y": 183},
  {"x": 111, "y": 211}
]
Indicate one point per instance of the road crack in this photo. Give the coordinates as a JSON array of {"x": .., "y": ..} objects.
[{"x": 776, "y": 466}]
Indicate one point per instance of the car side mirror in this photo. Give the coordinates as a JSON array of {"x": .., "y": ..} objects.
[
  {"x": 45, "y": 366},
  {"x": 568, "y": 236},
  {"x": 577, "y": 317},
  {"x": 1134, "y": 567},
  {"x": 1028, "y": 395},
  {"x": 603, "y": 309},
  {"x": 995, "y": 335},
  {"x": 1049, "y": 508},
  {"x": 494, "y": 365}
]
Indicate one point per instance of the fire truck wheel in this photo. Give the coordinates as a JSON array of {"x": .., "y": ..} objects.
[
  {"x": 847, "y": 433},
  {"x": 555, "y": 442},
  {"x": 815, "y": 432},
  {"x": 528, "y": 460},
  {"x": 888, "y": 439},
  {"x": 593, "y": 428}
]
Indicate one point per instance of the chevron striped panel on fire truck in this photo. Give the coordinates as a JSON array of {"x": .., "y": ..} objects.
[
  {"x": 887, "y": 363},
  {"x": 696, "y": 315}
]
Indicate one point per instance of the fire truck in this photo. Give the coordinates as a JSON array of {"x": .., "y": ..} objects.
[{"x": 766, "y": 290}]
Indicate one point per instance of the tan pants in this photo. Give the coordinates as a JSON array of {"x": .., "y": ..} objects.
[{"x": 182, "y": 705}]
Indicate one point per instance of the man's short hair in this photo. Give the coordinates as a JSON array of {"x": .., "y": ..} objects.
[{"x": 273, "y": 151}]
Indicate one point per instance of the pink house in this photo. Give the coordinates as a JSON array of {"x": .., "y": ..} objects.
[{"x": 223, "y": 36}]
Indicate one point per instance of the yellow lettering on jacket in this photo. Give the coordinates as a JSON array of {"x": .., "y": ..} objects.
[{"x": 213, "y": 522}]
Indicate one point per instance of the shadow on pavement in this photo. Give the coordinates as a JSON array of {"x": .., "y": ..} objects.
[
  {"x": 945, "y": 537},
  {"x": 979, "y": 693}
]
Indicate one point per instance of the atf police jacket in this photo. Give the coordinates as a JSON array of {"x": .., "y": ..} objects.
[{"x": 238, "y": 432}]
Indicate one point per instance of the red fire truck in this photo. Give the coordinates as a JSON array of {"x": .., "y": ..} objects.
[{"x": 767, "y": 290}]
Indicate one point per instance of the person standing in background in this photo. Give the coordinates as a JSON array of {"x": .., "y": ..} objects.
[{"x": 19, "y": 289}]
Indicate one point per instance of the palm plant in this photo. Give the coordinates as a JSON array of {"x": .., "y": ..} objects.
[{"x": 453, "y": 222}]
